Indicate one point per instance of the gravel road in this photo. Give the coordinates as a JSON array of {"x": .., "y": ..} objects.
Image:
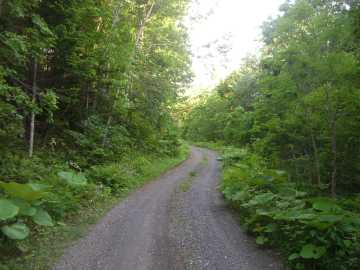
[{"x": 178, "y": 222}]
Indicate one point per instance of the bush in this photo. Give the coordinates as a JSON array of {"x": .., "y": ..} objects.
[
  {"x": 21, "y": 205},
  {"x": 114, "y": 176},
  {"x": 313, "y": 232},
  {"x": 49, "y": 190}
]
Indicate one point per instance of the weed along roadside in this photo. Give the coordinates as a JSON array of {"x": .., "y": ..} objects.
[
  {"x": 312, "y": 231},
  {"x": 185, "y": 185},
  {"x": 287, "y": 122},
  {"x": 37, "y": 236}
]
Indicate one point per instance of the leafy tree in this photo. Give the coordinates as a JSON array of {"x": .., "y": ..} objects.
[{"x": 298, "y": 105}]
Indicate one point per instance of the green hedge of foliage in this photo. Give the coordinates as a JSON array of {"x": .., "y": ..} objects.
[
  {"x": 60, "y": 191},
  {"x": 313, "y": 231}
]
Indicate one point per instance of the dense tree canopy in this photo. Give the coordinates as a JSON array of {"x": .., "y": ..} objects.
[
  {"x": 288, "y": 124},
  {"x": 86, "y": 90},
  {"x": 93, "y": 74},
  {"x": 89, "y": 92},
  {"x": 298, "y": 105}
]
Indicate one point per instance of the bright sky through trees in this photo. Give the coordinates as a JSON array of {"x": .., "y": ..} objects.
[{"x": 222, "y": 33}]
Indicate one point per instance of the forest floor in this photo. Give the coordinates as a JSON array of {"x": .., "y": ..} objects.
[{"x": 177, "y": 222}]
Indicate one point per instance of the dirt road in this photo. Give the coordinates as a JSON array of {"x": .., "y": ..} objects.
[{"x": 177, "y": 222}]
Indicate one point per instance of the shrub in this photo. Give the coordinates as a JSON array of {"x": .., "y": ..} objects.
[
  {"x": 313, "y": 232},
  {"x": 115, "y": 176},
  {"x": 22, "y": 203}
]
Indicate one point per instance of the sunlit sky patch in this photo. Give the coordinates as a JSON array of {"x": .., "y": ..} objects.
[{"x": 222, "y": 33}]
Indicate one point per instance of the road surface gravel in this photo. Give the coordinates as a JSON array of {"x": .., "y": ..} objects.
[{"x": 177, "y": 222}]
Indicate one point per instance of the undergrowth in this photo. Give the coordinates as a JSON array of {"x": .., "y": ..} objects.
[
  {"x": 39, "y": 219},
  {"x": 312, "y": 230}
]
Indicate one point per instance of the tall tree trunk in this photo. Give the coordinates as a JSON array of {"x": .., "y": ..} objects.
[
  {"x": 138, "y": 42},
  {"x": 332, "y": 118},
  {"x": 115, "y": 20},
  {"x": 316, "y": 157},
  {"x": 314, "y": 147},
  {"x": 295, "y": 164},
  {"x": 87, "y": 104},
  {"x": 32, "y": 118},
  {"x": 334, "y": 153},
  {"x": 1, "y": 4},
  {"x": 147, "y": 15}
]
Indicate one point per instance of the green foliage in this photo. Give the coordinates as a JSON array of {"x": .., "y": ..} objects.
[
  {"x": 28, "y": 192},
  {"x": 23, "y": 202},
  {"x": 41, "y": 217},
  {"x": 312, "y": 232},
  {"x": 93, "y": 87},
  {"x": 25, "y": 208},
  {"x": 114, "y": 176},
  {"x": 102, "y": 83},
  {"x": 7, "y": 209},
  {"x": 298, "y": 104},
  {"x": 65, "y": 194},
  {"x": 16, "y": 231},
  {"x": 73, "y": 179},
  {"x": 296, "y": 108},
  {"x": 312, "y": 252}
]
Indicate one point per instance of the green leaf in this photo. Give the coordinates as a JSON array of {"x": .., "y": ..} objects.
[
  {"x": 38, "y": 187},
  {"x": 241, "y": 166},
  {"x": 347, "y": 243},
  {"x": 261, "y": 240},
  {"x": 294, "y": 214},
  {"x": 27, "y": 192},
  {"x": 325, "y": 205},
  {"x": 42, "y": 218},
  {"x": 25, "y": 208},
  {"x": 283, "y": 204},
  {"x": 262, "y": 198},
  {"x": 272, "y": 227},
  {"x": 330, "y": 218},
  {"x": 8, "y": 209},
  {"x": 311, "y": 251},
  {"x": 73, "y": 179},
  {"x": 287, "y": 192},
  {"x": 300, "y": 194},
  {"x": 240, "y": 196},
  {"x": 279, "y": 172},
  {"x": 293, "y": 256},
  {"x": 41, "y": 24},
  {"x": 17, "y": 231}
]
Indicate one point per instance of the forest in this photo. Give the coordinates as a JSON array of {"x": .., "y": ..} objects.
[
  {"x": 92, "y": 106},
  {"x": 288, "y": 124},
  {"x": 86, "y": 95}
]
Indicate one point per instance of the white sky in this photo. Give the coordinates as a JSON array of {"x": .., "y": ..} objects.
[{"x": 222, "y": 33}]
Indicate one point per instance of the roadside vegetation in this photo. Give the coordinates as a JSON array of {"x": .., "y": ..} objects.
[
  {"x": 86, "y": 96},
  {"x": 287, "y": 124},
  {"x": 72, "y": 208},
  {"x": 186, "y": 184}
]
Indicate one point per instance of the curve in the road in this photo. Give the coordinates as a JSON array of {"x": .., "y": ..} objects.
[{"x": 178, "y": 222}]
